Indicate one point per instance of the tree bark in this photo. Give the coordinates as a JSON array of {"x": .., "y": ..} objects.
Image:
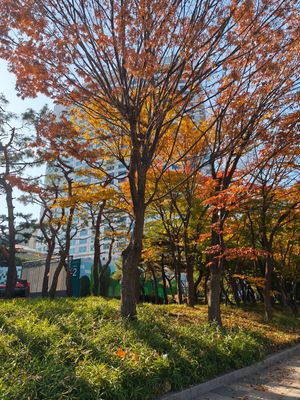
[
  {"x": 251, "y": 294},
  {"x": 280, "y": 283},
  {"x": 243, "y": 291},
  {"x": 268, "y": 288},
  {"x": 68, "y": 278},
  {"x": 192, "y": 300},
  {"x": 197, "y": 283},
  {"x": 12, "y": 271},
  {"x": 293, "y": 299},
  {"x": 260, "y": 293},
  {"x": 235, "y": 292},
  {"x": 177, "y": 265},
  {"x": 163, "y": 275},
  {"x": 51, "y": 247},
  {"x": 214, "y": 292},
  {"x": 52, "y": 290},
  {"x": 206, "y": 288},
  {"x": 215, "y": 275},
  {"x": 170, "y": 287},
  {"x": 64, "y": 252},
  {"x": 103, "y": 288},
  {"x": 131, "y": 257},
  {"x": 155, "y": 286},
  {"x": 97, "y": 255}
]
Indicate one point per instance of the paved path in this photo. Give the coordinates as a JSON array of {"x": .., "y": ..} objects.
[{"x": 280, "y": 382}]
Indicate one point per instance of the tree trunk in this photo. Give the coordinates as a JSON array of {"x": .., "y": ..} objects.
[
  {"x": 196, "y": 284},
  {"x": 268, "y": 288},
  {"x": 206, "y": 289},
  {"x": 97, "y": 254},
  {"x": 64, "y": 254},
  {"x": 226, "y": 296},
  {"x": 192, "y": 299},
  {"x": 179, "y": 288},
  {"x": 235, "y": 291},
  {"x": 52, "y": 290},
  {"x": 51, "y": 247},
  {"x": 163, "y": 275},
  {"x": 170, "y": 287},
  {"x": 103, "y": 289},
  {"x": 251, "y": 294},
  {"x": 12, "y": 271},
  {"x": 293, "y": 300},
  {"x": 279, "y": 282},
  {"x": 260, "y": 293},
  {"x": 215, "y": 275},
  {"x": 243, "y": 291},
  {"x": 214, "y": 292},
  {"x": 177, "y": 268},
  {"x": 155, "y": 286},
  {"x": 131, "y": 257},
  {"x": 68, "y": 278}
]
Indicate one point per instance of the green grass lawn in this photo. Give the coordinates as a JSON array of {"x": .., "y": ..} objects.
[{"x": 81, "y": 349}]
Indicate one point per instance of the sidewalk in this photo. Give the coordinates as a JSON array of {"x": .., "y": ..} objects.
[{"x": 279, "y": 382}]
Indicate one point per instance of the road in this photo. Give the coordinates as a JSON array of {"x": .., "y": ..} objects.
[{"x": 279, "y": 382}]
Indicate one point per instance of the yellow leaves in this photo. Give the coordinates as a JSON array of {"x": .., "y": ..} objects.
[{"x": 86, "y": 136}]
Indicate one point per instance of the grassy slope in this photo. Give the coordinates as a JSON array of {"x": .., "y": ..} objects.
[{"x": 80, "y": 349}]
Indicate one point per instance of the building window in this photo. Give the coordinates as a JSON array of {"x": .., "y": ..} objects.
[
  {"x": 110, "y": 167},
  {"x": 122, "y": 167},
  {"x": 82, "y": 249},
  {"x": 82, "y": 241},
  {"x": 84, "y": 232}
]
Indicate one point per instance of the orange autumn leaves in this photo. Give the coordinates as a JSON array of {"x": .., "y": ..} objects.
[{"x": 130, "y": 355}]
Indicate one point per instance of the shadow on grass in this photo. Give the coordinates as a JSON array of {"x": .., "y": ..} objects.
[{"x": 67, "y": 349}]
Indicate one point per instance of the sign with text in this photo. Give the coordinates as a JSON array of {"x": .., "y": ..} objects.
[{"x": 75, "y": 277}]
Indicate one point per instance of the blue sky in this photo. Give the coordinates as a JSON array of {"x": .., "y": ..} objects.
[{"x": 18, "y": 106}]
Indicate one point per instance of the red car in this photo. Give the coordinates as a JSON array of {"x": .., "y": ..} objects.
[{"x": 22, "y": 288}]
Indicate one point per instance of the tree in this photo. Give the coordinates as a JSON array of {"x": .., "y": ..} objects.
[
  {"x": 179, "y": 225},
  {"x": 125, "y": 57},
  {"x": 136, "y": 62},
  {"x": 96, "y": 202},
  {"x": 50, "y": 221},
  {"x": 15, "y": 156},
  {"x": 286, "y": 253},
  {"x": 52, "y": 134},
  {"x": 276, "y": 199},
  {"x": 257, "y": 92}
]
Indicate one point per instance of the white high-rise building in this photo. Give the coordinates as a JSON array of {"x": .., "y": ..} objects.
[{"x": 82, "y": 244}]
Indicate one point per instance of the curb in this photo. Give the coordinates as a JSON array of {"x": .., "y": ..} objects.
[{"x": 194, "y": 392}]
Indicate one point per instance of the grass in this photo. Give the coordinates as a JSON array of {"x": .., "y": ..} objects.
[{"x": 80, "y": 348}]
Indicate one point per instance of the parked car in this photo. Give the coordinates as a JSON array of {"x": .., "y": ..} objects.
[{"x": 22, "y": 288}]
